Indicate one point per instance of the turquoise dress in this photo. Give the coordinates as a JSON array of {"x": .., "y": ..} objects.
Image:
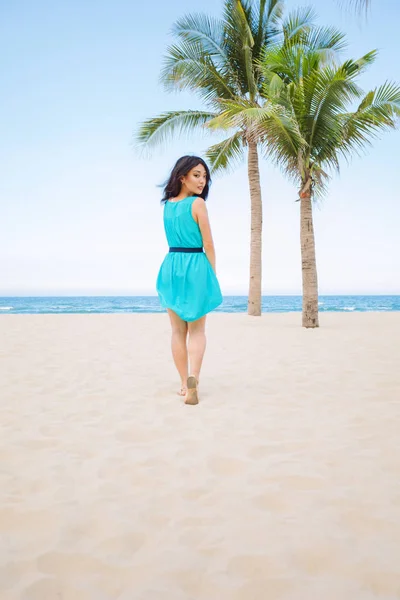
[{"x": 186, "y": 282}]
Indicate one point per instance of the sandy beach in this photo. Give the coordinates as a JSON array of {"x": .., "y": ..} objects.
[{"x": 283, "y": 483}]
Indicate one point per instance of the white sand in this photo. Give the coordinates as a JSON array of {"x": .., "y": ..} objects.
[{"x": 284, "y": 483}]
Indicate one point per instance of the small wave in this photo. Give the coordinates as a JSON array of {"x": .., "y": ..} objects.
[
  {"x": 349, "y": 308},
  {"x": 6, "y": 307}
]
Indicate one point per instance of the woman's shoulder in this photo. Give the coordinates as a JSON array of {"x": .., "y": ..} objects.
[
  {"x": 198, "y": 203},
  {"x": 198, "y": 200}
]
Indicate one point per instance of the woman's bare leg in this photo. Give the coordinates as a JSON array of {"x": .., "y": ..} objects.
[
  {"x": 179, "y": 347},
  {"x": 197, "y": 345}
]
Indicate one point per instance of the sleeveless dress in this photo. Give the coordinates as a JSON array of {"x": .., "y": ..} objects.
[{"x": 186, "y": 282}]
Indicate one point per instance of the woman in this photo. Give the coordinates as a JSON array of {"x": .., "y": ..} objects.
[{"x": 187, "y": 284}]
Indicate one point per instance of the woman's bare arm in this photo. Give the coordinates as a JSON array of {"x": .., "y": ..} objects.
[{"x": 200, "y": 215}]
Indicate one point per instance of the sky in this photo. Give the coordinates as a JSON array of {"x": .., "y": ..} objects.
[{"x": 80, "y": 206}]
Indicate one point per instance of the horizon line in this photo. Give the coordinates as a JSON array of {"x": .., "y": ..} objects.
[{"x": 147, "y": 295}]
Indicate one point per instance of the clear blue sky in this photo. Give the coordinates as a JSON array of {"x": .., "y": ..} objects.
[{"x": 80, "y": 209}]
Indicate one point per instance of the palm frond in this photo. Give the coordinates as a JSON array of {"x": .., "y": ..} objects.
[
  {"x": 378, "y": 110},
  {"x": 240, "y": 114},
  {"x": 353, "y": 68},
  {"x": 315, "y": 96},
  {"x": 240, "y": 18},
  {"x": 387, "y": 98},
  {"x": 329, "y": 93},
  {"x": 226, "y": 154},
  {"x": 158, "y": 130},
  {"x": 203, "y": 30},
  {"x": 324, "y": 39},
  {"x": 268, "y": 122},
  {"x": 359, "y": 5},
  {"x": 186, "y": 66},
  {"x": 298, "y": 23},
  {"x": 282, "y": 59},
  {"x": 267, "y": 15},
  {"x": 271, "y": 16}
]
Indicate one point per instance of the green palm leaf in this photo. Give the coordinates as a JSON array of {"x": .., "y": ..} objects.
[
  {"x": 158, "y": 130},
  {"x": 187, "y": 67},
  {"x": 298, "y": 23},
  {"x": 378, "y": 110},
  {"x": 328, "y": 40},
  {"x": 205, "y": 31},
  {"x": 267, "y": 15},
  {"x": 227, "y": 154},
  {"x": 318, "y": 96}
]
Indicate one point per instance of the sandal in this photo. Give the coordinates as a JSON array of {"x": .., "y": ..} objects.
[{"x": 192, "y": 396}]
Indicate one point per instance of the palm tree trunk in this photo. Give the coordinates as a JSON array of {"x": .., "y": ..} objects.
[
  {"x": 254, "y": 301},
  {"x": 309, "y": 266}
]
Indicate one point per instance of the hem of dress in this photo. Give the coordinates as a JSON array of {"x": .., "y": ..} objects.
[{"x": 196, "y": 318}]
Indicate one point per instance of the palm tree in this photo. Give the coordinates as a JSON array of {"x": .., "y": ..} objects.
[
  {"x": 318, "y": 96},
  {"x": 218, "y": 58}
]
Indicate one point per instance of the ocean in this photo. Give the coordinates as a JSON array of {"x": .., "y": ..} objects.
[{"x": 150, "y": 304}]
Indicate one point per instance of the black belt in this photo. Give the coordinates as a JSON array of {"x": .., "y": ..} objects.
[{"x": 190, "y": 250}]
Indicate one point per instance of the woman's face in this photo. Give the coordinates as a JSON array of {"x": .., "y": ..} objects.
[{"x": 195, "y": 181}]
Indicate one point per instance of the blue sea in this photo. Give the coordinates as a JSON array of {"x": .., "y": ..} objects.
[{"x": 150, "y": 304}]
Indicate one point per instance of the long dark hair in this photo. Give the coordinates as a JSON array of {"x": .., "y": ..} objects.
[{"x": 182, "y": 168}]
